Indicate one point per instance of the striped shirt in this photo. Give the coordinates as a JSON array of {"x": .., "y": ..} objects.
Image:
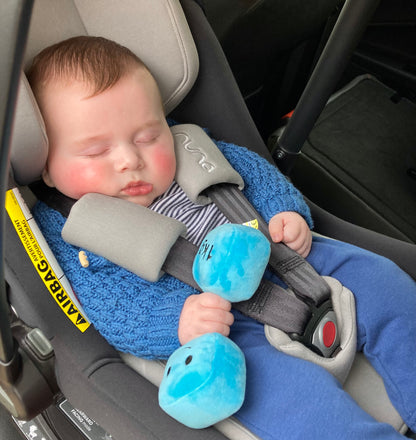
[{"x": 198, "y": 219}]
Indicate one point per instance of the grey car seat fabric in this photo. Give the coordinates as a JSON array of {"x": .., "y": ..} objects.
[{"x": 176, "y": 56}]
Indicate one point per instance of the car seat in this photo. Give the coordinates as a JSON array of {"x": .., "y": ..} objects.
[{"x": 90, "y": 373}]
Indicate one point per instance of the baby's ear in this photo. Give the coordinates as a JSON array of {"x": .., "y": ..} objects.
[{"x": 47, "y": 178}]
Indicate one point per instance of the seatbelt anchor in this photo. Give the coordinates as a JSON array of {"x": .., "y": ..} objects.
[{"x": 321, "y": 334}]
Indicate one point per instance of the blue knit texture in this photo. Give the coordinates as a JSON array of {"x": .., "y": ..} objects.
[
  {"x": 133, "y": 314},
  {"x": 138, "y": 316}
]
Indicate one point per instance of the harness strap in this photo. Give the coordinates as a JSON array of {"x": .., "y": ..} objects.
[
  {"x": 291, "y": 268},
  {"x": 127, "y": 234},
  {"x": 199, "y": 163},
  {"x": 179, "y": 261},
  {"x": 274, "y": 306},
  {"x": 271, "y": 304}
]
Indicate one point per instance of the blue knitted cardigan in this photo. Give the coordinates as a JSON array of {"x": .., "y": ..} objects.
[{"x": 138, "y": 316}]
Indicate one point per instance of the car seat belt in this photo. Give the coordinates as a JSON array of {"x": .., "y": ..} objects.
[
  {"x": 298, "y": 315},
  {"x": 271, "y": 304},
  {"x": 291, "y": 268},
  {"x": 148, "y": 244}
]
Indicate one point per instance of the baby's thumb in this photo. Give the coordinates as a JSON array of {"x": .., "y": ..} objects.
[{"x": 276, "y": 229}]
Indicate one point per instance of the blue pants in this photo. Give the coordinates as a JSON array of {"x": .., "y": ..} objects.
[{"x": 288, "y": 398}]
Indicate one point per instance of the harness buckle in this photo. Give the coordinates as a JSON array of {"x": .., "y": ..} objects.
[{"x": 321, "y": 334}]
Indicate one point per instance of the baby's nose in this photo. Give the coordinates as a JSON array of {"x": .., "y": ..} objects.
[{"x": 129, "y": 158}]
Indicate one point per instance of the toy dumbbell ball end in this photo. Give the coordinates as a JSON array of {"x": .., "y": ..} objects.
[
  {"x": 204, "y": 381},
  {"x": 231, "y": 261}
]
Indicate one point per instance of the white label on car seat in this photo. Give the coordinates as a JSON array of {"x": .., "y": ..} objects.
[
  {"x": 43, "y": 259},
  {"x": 90, "y": 429}
]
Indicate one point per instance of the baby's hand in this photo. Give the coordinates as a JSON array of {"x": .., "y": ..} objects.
[
  {"x": 291, "y": 229},
  {"x": 204, "y": 313}
]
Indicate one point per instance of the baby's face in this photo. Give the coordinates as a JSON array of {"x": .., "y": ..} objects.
[{"x": 116, "y": 143}]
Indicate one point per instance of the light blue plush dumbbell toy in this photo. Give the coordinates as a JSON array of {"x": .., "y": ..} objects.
[{"x": 204, "y": 380}]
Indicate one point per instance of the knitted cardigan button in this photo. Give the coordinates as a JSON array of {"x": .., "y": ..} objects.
[{"x": 83, "y": 259}]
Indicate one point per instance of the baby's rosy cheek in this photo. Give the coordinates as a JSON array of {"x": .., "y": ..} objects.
[
  {"x": 84, "y": 180},
  {"x": 165, "y": 161}
]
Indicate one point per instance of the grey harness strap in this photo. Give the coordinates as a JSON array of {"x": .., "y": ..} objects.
[
  {"x": 127, "y": 234},
  {"x": 294, "y": 270},
  {"x": 271, "y": 304},
  {"x": 200, "y": 164}
]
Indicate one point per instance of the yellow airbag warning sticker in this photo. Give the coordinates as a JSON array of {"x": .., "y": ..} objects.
[
  {"x": 252, "y": 223},
  {"x": 43, "y": 259}
]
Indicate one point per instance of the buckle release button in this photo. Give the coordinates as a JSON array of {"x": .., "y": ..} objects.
[
  {"x": 329, "y": 333},
  {"x": 325, "y": 337}
]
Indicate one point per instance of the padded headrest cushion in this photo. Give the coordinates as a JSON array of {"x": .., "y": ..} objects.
[
  {"x": 155, "y": 30},
  {"x": 29, "y": 148}
]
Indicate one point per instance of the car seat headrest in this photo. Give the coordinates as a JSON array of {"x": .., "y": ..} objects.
[
  {"x": 29, "y": 146},
  {"x": 155, "y": 30}
]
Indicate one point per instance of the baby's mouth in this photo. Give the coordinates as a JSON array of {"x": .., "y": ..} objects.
[{"x": 137, "y": 188}]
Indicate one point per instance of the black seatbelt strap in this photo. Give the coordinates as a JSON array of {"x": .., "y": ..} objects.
[
  {"x": 52, "y": 197},
  {"x": 179, "y": 261},
  {"x": 291, "y": 268},
  {"x": 273, "y": 305},
  {"x": 270, "y": 304}
]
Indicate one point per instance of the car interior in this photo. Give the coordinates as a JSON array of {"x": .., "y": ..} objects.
[
  {"x": 59, "y": 378},
  {"x": 358, "y": 161}
]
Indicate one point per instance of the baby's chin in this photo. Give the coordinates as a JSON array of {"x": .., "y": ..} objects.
[{"x": 139, "y": 200}]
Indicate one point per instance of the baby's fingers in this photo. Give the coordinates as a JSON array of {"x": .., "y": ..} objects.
[
  {"x": 213, "y": 301},
  {"x": 298, "y": 239}
]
